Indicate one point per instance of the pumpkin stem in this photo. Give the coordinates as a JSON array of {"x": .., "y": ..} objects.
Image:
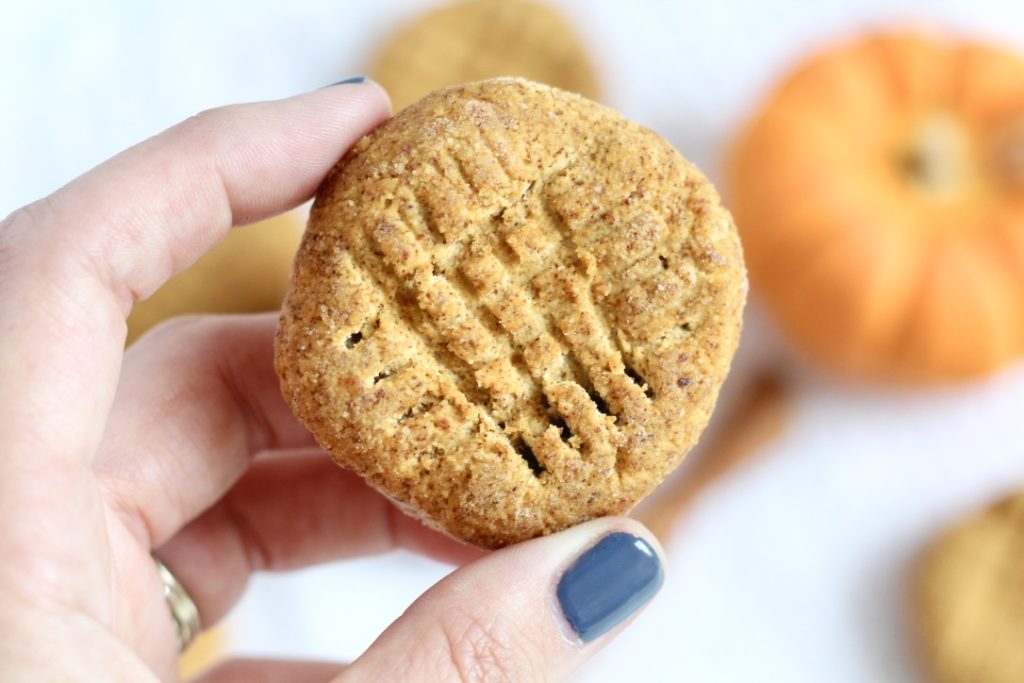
[{"x": 937, "y": 157}]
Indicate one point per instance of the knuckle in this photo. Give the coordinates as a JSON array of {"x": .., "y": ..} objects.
[
  {"x": 224, "y": 333},
  {"x": 204, "y": 127},
  {"x": 203, "y": 119},
  {"x": 18, "y": 224},
  {"x": 221, "y": 330},
  {"x": 31, "y": 253},
  {"x": 8, "y": 227},
  {"x": 184, "y": 330},
  {"x": 27, "y": 217},
  {"x": 16, "y": 219}
]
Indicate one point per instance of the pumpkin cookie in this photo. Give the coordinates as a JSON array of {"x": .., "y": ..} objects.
[
  {"x": 880, "y": 195},
  {"x": 970, "y": 599},
  {"x": 470, "y": 41},
  {"x": 512, "y": 310},
  {"x": 246, "y": 273}
]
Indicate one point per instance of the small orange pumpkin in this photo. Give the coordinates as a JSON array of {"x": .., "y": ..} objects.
[{"x": 880, "y": 196}]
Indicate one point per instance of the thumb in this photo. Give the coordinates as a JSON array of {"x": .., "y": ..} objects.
[{"x": 533, "y": 611}]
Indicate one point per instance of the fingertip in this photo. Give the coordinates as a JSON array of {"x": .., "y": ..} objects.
[
  {"x": 545, "y": 604},
  {"x": 637, "y": 528},
  {"x": 588, "y": 533},
  {"x": 265, "y": 157},
  {"x": 366, "y": 91},
  {"x": 617, "y": 572},
  {"x": 381, "y": 96}
]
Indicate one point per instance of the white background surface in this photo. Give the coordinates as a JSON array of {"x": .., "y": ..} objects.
[{"x": 794, "y": 568}]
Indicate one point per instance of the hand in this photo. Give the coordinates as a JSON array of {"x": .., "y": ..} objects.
[{"x": 183, "y": 446}]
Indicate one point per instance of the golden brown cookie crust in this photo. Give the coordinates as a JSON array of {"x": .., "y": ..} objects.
[
  {"x": 478, "y": 39},
  {"x": 969, "y": 598},
  {"x": 512, "y": 310}
]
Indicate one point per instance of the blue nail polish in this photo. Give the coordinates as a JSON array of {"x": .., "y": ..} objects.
[
  {"x": 607, "y": 583},
  {"x": 348, "y": 81}
]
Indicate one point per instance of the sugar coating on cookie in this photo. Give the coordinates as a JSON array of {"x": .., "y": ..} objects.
[
  {"x": 512, "y": 310},
  {"x": 477, "y": 39},
  {"x": 969, "y": 598}
]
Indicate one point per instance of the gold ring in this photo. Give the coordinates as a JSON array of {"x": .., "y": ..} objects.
[{"x": 183, "y": 610}]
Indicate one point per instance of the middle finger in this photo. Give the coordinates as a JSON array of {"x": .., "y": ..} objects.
[
  {"x": 198, "y": 398},
  {"x": 291, "y": 510}
]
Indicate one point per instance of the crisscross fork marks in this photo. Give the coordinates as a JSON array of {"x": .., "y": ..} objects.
[
  {"x": 484, "y": 303},
  {"x": 454, "y": 300}
]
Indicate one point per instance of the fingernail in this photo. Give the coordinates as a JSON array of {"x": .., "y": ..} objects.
[
  {"x": 348, "y": 81},
  {"x": 607, "y": 583}
]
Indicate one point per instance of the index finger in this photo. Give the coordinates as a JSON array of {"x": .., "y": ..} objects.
[{"x": 72, "y": 264}]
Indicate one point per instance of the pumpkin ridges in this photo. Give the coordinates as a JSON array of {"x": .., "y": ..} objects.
[
  {"x": 930, "y": 299},
  {"x": 999, "y": 296},
  {"x": 924, "y": 342},
  {"x": 820, "y": 126},
  {"x": 1008, "y": 238},
  {"x": 802, "y": 260},
  {"x": 771, "y": 249},
  {"x": 912, "y": 66},
  {"x": 771, "y": 185},
  {"x": 836, "y": 82},
  {"x": 1004, "y": 247},
  {"x": 990, "y": 87},
  {"x": 861, "y": 294},
  {"x": 853, "y": 276},
  {"x": 970, "y": 314},
  {"x": 776, "y": 254},
  {"x": 906, "y": 344},
  {"x": 957, "y": 76},
  {"x": 887, "y": 300},
  {"x": 958, "y": 321}
]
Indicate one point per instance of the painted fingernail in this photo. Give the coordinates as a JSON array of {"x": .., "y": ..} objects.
[
  {"x": 348, "y": 81},
  {"x": 607, "y": 583}
]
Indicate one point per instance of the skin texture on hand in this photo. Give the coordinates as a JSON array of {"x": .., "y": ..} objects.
[{"x": 183, "y": 447}]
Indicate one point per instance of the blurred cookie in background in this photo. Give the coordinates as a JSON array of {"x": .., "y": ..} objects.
[
  {"x": 478, "y": 39},
  {"x": 207, "y": 650},
  {"x": 246, "y": 273},
  {"x": 969, "y": 598}
]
